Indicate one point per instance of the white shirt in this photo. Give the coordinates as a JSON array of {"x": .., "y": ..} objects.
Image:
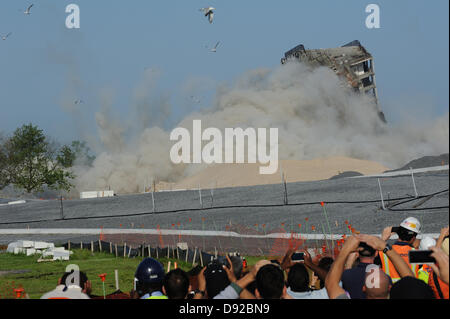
[{"x": 60, "y": 292}]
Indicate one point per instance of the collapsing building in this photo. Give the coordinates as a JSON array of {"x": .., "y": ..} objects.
[{"x": 351, "y": 61}]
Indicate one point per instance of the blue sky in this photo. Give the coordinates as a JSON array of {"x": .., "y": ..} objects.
[{"x": 118, "y": 39}]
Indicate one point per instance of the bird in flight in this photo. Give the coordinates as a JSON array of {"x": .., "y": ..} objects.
[
  {"x": 78, "y": 101},
  {"x": 196, "y": 100},
  {"x": 209, "y": 13},
  {"x": 215, "y": 47},
  {"x": 27, "y": 12},
  {"x": 6, "y": 36}
]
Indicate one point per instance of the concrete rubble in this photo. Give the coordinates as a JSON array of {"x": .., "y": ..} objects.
[{"x": 45, "y": 249}]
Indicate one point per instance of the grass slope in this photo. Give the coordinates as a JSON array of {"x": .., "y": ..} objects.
[{"x": 40, "y": 278}]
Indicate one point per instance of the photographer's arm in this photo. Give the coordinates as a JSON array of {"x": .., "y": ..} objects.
[
  {"x": 321, "y": 273},
  {"x": 441, "y": 267},
  {"x": 201, "y": 284},
  {"x": 442, "y": 235},
  {"x": 337, "y": 268}
]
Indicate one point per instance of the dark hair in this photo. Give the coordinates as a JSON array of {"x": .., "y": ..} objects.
[
  {"x": 148, "y": 288},
  {"x": 367, "y": 250},
  {"x": 298, "y": 278},
  {"x": 411, "y": 288},
  {"x": 325, "y": 263},
  {"x": 176, "y": 283},
  {"x": 251, "y": 287},
  {"x": 270, "y": 282},
  {"x": 405, "y": 234},
  {"x": 82, "y": 276}
]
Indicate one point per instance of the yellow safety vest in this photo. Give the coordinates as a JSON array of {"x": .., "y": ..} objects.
[
  {"x": 157, "y": 297},
  {"x": 423, "y": 275}
]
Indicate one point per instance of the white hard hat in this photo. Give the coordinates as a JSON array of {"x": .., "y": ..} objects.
[
  {"x": 411, "y": 224},
  {"x": 426, "y": 243}
]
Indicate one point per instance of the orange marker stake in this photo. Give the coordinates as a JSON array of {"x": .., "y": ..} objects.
[
  {"x": 103, "y": 277},
  {"x": 19, "y": 292}
]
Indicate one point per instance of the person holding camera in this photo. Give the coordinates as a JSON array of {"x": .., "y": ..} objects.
[
  {"x": 298, "y": 279},
  {"x": 353, "y": 279},
  {"x": 407, "y": 233},
  {"x": 353, "y": 244},
  {"x": 218, "y": 281}
]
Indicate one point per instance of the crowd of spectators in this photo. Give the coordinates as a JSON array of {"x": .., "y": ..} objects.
[{"x": 367, "y": 267}]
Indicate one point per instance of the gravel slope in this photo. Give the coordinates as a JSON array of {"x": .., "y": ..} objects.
[{"x": 366, "y": 217}]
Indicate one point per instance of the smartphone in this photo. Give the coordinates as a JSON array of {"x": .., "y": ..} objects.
[
  {"x": 296, "y": 257},
  {"x": 421, "y": 257},
  {"x": 395, "y": 229}
]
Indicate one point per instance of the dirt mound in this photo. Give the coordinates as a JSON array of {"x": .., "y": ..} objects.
[
  {"x": 232, "y": 175},
  {"x": 426, "y": 161}
]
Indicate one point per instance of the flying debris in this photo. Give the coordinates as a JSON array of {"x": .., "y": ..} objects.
[
  {"x": 215, "y": 47},
  {"x": 6, "y": 36},
  {"x": 28, "y": 11},
  {"x": 209, "y": 13},
  {"x": 351, "y": 61},
  {"x": 196, "y": 100}
]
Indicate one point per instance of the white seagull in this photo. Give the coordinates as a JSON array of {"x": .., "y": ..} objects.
[
  {"x": 27, "y": 12},
  {"x": 6, "y": 36},
  {"x": 215, "y": 47},
  {"x": 209, "y": 13}
]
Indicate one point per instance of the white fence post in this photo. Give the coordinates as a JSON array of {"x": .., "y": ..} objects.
[
  {"x": 200, "y": 194},
  {"x": 381, "y": 193},
  {"x": 414, "y": 183}
]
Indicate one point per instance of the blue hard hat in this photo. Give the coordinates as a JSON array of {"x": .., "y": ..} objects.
[{"x": 149, "y": 271}]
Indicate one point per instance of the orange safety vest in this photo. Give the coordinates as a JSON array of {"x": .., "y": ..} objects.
[
  {"x": 439, "y": 287},
  {"x": 389, "y": 268}
]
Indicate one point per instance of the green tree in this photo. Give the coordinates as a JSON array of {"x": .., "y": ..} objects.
[
  {"x": 4, "y": 171},
  {"x": 32, "y": 162},
  {"x": 66, "y": 156},
  {"x": 82, "y": 153}
]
